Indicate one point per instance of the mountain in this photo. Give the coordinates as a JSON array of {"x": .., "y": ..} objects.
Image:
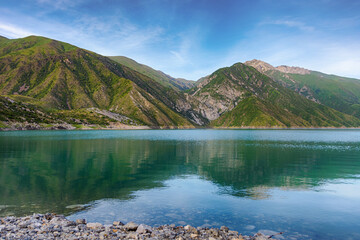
[
  {"x": 340, "y": 93},
  {"x": 57, "y": 75},
  {"x": 2, "y": 38},
  {"x": 164, "y": 79},
  {"x": 241, "y": 96},
  {"x": 48, "y": 84}
]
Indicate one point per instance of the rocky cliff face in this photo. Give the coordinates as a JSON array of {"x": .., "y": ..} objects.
[
  {"x": 264, "y": 67},
  {"x": 340, "y": 93},
  {"x": 294, "y": 70},
  {"x": 222, "y": 98},
  {"x": 261, "y": 66},
  {"x": 282, "y": 74}
]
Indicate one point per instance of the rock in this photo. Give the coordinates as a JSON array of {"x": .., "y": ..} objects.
[
  {"x": 81, "y": 221},
  {"x": 48, "y": 216},
  {"x": 260, "y": 236},
  {"x": 214, "y": 232},
  {"x": 95, "y": 226},
  {"x": 59, "y": 220},
  {"x": 118, "y": 223},
  {"x": 224, "y": 229},
  {"x": 58, "y": 227},
  {"x": 24, "y": 224},
  {"x": 35, "y": 225},
  {"x": 103, "y": 235},
  {"x": 143, "y": 229},
  {"x": 187, "y": 227},
  {"x": 132, "y": 235},
  {"x": 131, "y": 226}
]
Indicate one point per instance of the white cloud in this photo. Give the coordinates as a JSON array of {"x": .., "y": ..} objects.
[
  {"x": 296, "y": 24},
  {"x": 104, "y": 35},
  {"x": 290, "y": 23},
  {"x": 12, "y": 31},
  {"x": 187, "y": 46},
  {"x": 183, "y": 55},
  {"x": 178, "y": 57}
]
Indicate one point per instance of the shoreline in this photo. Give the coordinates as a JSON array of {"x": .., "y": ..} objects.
[
  {"x": 53, "y": 226},
  {"x": 41, "y": 127}
]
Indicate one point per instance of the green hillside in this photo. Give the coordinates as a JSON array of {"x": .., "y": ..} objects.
[
  {"x": 164, "y": 79},
  {"x": 55, "y": 84},
  {"x": 57, "y": 75},
  {"x": 340, "y": 93},
  {"x": 255, "y": 100}
]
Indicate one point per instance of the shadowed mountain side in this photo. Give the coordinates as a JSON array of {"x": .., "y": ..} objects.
[{"x": 164, "y": 79}]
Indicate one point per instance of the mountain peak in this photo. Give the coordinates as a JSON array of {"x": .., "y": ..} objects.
[
  {"x": 259, "y": 65},
  {"x": 295, "y": 70}
]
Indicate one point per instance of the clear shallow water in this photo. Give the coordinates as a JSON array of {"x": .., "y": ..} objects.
[{"x": 305, "y": 183}]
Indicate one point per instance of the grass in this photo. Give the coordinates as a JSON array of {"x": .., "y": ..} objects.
[
  {"x": 266, "y": 103},
  {"x": 342, "y": 94},
  {"x": 58, "y": 76}
]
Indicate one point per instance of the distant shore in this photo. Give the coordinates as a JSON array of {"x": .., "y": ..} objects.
[
  {"x": 52, "y": 226},
  {"x": 16, "y": 126}
]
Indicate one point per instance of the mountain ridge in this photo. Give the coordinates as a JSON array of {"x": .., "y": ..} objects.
[
  {"x": 70, "y": 85},
  {"x": 340, "y": 93},
  {"x": 161, "y": 77},
  {"x": 62, "y": 76},
  {"x": 228, "y": 89}
]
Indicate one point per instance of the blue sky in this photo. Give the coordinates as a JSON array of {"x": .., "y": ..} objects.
[{"x": 193, "y": 38}]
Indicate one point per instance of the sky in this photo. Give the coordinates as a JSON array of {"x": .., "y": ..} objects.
[{"x": 192, "y": 38}]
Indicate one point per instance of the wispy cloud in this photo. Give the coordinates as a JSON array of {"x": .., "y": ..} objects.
[
  {"x": 181, "y": 56},
  {"x": 12, "y": 31},
  {"x": 59, "y": 4},
  {"x": 290, "y": 23},
  {"x": 193, "y": 42},
  {"x": 105, "y": 35}
]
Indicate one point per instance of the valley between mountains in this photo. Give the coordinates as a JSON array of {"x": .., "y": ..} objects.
[{"x": 48, "y": 84}]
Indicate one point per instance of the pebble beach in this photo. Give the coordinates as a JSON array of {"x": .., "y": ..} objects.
[{"x": 52, "y": 226}]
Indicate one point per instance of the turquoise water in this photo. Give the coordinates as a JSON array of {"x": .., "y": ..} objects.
[{"x": 305, "y": 183}]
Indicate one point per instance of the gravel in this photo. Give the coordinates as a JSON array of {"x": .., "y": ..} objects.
[{"x": 52, "y": 226}]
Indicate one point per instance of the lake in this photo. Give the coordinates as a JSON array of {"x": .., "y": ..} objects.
[{"x": 305, "y": 183}]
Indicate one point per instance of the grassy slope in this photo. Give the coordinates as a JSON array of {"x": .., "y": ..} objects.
[
  {"x": 58, "y": 75},
  {"x": 164, "y": 79},
  {"x": 340, "y": 93},
  {"x": 266, "y": 103}
]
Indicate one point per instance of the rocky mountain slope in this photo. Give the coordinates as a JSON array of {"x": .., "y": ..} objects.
[
  {"x": 240, "y": 96},
  {"x": 340, "y": 93},
  {"x": 57, "y": 75},
  {"x": 50, "y": 83}
]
